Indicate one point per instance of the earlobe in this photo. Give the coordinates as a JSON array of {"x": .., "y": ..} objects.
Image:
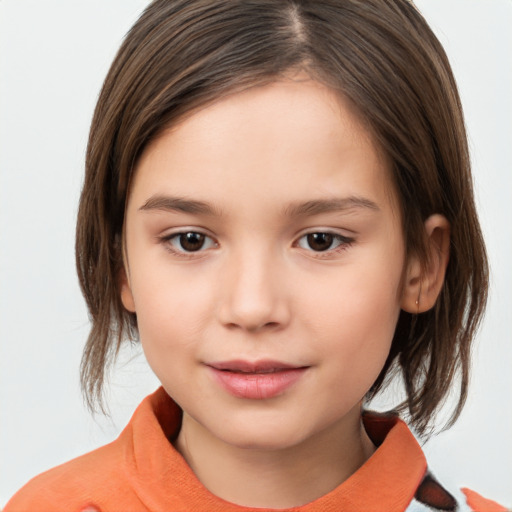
[
  {"x": 126, "y": 291},
  {"x": 424, "y": 280}
]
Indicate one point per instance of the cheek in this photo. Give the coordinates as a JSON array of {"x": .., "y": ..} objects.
[
  {"x": 355, "y": 314},
  {"x": 360, "y": 298},
  {"x": 170, "y": 323},
  {"x": 172, "y": 307}
]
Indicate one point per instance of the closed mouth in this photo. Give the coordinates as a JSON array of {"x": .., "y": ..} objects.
[
  {"x": 258, "y": 380},
  {"x": 258, "y": 367}
]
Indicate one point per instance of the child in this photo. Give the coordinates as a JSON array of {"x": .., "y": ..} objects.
[{"x": 278, "y": 204}]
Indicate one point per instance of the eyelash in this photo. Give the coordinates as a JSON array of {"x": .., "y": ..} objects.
[
  {"x": 168, "y": 239},
  {"x": 343, "y": 243}
]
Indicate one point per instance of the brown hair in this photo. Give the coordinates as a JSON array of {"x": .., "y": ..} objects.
[{"x": 383, "y": 57}]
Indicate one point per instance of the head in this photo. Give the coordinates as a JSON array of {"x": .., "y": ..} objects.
[{"x": 386, "y": 67}]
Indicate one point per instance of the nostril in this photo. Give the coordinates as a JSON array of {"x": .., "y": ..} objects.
[
  {"x": 263, "y": 326},
  {"x": 254, "y": 327}
]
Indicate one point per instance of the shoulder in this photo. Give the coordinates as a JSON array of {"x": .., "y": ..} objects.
[
  {"x": 110, "y": 477},
  {"x": 432, "y": 496},
  {"x": 478, "y": 503},
  {"x": 88, "y": 480}
]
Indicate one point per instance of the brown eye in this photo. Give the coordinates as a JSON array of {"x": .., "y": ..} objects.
[
  {"x": 190, "y": 241},
  {"x": 320, "y": 241},
  {"x": 323, "y": 241}
]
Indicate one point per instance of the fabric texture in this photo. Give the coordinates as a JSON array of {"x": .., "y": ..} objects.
[{"x": 141, "y": 471}]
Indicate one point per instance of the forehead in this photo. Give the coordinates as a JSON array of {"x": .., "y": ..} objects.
[{"x": 289, "y": 140}]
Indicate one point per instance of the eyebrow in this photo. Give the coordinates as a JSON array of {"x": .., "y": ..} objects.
[
  {"x": 319, "y": 206},
  {"x": 308, "y": 208},
  {"x": 179, "y": 204}
]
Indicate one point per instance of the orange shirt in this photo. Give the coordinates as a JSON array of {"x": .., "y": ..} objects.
[{"x": 141, "y": 471}]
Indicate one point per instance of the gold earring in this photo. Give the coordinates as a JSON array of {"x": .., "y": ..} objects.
[{"x": 418, "y": 300}]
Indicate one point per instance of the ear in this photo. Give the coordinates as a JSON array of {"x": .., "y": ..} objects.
[
  {"x": 126, "y": 291},
  {"x": 423, "y": 282}
]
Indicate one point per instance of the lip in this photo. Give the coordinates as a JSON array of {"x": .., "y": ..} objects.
[{"x": 257, "y": 380}]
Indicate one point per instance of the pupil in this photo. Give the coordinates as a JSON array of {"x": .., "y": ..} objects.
[
  {"x": 320, "y": 241},
  {"x": 192, "y": 241}
]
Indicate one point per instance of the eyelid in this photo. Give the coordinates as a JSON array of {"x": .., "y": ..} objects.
[
  {"x": 168, "y": 236},
  {"x": 346, "y": 242},
  {"x": 331, "y": 231},
  {"x": 178, "y": 230}
]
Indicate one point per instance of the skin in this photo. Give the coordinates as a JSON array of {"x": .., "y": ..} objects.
[{"x": 257, "y": 289}]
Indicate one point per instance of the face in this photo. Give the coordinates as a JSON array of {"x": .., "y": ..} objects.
[{"x": 264, "y": 257}]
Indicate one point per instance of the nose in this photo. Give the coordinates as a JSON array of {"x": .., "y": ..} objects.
[{"x": 254, "y": 295}]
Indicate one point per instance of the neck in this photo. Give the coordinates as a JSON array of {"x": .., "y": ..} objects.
[{"x": 275, "y": 478}]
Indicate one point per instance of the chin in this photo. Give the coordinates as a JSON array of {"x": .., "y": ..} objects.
[{"x": 262, "y": 435}]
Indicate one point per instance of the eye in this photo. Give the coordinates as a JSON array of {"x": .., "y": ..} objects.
[
  {"x": 323, "y": 241},
  {"x": 189, "y": 241}
]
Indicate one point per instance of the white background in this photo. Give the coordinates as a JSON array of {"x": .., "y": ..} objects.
[{"x": 54, "y": 55}]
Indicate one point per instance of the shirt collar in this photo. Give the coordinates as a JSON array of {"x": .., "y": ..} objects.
[{"x": 162, "y": 479}]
